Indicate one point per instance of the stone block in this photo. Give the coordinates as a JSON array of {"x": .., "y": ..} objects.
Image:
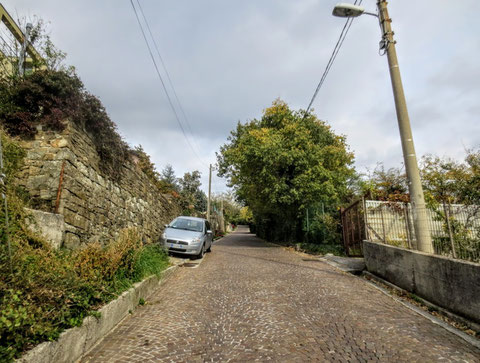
[
  {"x": 50, "y": 156},
  {"x": 49, "y": 225},
  {"x": 75, "y": 218},
  {"x": 72, "y": 241},
  {"x": 58, "y": 143}
]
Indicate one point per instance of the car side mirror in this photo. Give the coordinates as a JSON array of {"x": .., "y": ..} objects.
[{"x": 209, "y": 232}]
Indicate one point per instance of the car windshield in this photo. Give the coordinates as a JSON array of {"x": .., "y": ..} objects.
[{"x": 187, "y": 224}]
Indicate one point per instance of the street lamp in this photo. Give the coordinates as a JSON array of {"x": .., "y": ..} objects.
[
  {"x": 345, "y": 10},
  {"x": 424, "y": 241}
]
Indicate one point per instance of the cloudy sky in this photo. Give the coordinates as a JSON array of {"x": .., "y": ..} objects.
[{"x": 229, "y": 60}]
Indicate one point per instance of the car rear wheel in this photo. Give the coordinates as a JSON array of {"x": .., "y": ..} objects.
[{"x": 209, "y": 249}]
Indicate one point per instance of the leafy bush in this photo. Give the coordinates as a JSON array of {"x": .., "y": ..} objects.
[
  {"x": 46, "y": 98},
  {"x": 324, "y": 228},
  {"x": 50, "y": 97}
]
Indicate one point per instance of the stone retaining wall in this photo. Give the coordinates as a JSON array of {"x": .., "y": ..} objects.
[{"x": 94, "y": 207}]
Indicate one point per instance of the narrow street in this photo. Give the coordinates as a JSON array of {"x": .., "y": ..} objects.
[{"x": 250, "y": 301}]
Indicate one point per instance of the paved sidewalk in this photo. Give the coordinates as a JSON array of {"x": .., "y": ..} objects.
[{"x": 248, "y": 301}]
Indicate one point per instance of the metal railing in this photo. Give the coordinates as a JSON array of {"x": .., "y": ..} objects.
[{"x": 455, "y": 228}]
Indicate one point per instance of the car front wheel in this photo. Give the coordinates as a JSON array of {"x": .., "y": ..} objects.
[{"x": 202, "y": 252}]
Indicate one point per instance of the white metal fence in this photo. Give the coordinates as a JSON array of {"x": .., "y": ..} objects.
[{"x": 455, "y": 228}]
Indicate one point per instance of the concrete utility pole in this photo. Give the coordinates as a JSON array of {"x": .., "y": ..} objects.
[
  {"x": 423, "y": 237},
  {"x": 209, "y": 191},
  {"x": 422, "y": 232}
]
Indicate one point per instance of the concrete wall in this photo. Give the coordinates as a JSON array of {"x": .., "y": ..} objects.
[
  {"x": 94, "y": 207},
  {"x": 451, "y": 284}
]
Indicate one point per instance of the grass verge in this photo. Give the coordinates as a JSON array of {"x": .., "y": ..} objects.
[
  {"x": 322, "y": 249},
  {"x": 50, "y": 291}
]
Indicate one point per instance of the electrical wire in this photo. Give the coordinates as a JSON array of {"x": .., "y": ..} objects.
[
  {"x": 168, "y": 76},
  {"x": 334, "y": 54},
  {"x": 163, "y": 83}
]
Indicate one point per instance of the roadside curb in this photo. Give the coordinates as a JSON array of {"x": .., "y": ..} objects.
[
  {"x": 352, "y": 265},
  {"x": 471, "y": 340},
  {"x": 76, "y": 342}
]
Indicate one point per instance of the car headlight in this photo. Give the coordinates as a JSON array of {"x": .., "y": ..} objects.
[
  {"x": 163, "y": 237},
  {"x": 196, "y": 240}
]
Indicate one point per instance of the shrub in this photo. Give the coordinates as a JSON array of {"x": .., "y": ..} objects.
[
  {"x": 324, "y": 228},
  {"x": 50, "y": 97},
  {"x": 51, "y": 291}
]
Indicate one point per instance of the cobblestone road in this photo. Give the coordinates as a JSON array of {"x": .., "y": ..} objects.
[{"x": 248, "y": 301}]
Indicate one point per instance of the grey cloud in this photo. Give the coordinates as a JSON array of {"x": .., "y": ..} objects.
[{"x": 230, "y": 60}]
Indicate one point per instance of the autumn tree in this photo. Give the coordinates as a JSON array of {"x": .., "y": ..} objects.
[
  {"x": 385, "y": 184},
  {"x": 447, "y": 182},
  {"x": 442, "y": 180},
  {"x": 281, "y": 164}
]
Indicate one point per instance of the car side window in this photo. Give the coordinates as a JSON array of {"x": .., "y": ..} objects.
[{"x": 207, "y": 226}]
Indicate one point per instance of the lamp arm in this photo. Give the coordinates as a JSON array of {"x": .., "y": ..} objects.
[{"x": 372, "y": 14}]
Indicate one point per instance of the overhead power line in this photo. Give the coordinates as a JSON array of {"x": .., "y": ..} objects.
[
  {"x": 163, "y": 83},
  {"x": 187, "y": 122},
  {"x": 335, "y": 51}
]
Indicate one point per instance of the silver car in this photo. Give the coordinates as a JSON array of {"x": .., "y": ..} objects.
[{"x": 188, "y": 235}]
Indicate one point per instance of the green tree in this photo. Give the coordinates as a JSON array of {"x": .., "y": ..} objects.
[
  {"x": 281, "y": 164},
  {"x": 193, "y": 200},
  {"x": 201, "y": 201},
  {"x": 231, "y": 208},
  {"x": 167, "y": 175}
]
